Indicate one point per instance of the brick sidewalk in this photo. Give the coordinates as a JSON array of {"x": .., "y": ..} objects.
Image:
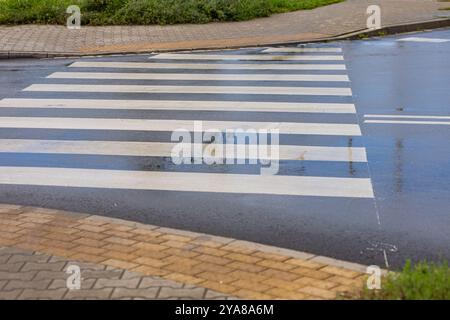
[
  {"x": 26, "y": 274},
  {"x": 167, "y": 263},
  {"x": 319, "y": 23}
]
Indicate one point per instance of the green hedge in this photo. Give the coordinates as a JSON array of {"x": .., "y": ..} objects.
[
  {"x": 104, "y": 12},
  {"x": 422, "y": 281}
]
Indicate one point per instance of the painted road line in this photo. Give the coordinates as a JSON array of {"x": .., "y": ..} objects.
[
  {"x": 200, "y": 77},
  {"x": 405, "y": 116},
  {"x": 421, "y": 39},
  {"x": 160, "y": 149},
  {"x": 188, "y": 181},
  {"x": 325, "y": 91},
  {"x": 206, "y": 66},
  {"x": 179, "y": 105},
  {"x": 300, "y": 49},
  {"x": 447, "y": 123},
  {"x": 242, "y": 57},
  {"x": 172, "y": 125}
]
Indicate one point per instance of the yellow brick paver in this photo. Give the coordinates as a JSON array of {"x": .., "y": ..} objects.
[{"x": 233, "y": 267}]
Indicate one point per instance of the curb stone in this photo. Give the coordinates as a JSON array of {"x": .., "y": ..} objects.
[{"x": 355, "y": 35}]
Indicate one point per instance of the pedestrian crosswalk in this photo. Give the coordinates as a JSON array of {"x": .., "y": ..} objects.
[
  {"x": 127, "y": 110},
  {"x": 314, "y": 91}
]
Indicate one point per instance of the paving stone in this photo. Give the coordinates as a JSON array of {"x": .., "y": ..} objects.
[
  {"x": 130, "y": 275},
  {"x": 120, "y": 283},
  {"x": 4, "y": 258},
  {"x": 11, "y": 267},
  {"x": 184, "y": 266},
  {"x": 197, "y": 293},
  {"x": 12, "y": 250},
  {"x": 50, "y": 275},
  {"x": 213, "y": 295},
  {"x": 89, "y": 294},
  {"x": 49, "y": 266},
  {"x": 98, "y": 274},
  {"x": 148, "y": 293},
  {"x": 10, "y": 295},
  {"x": 148, "y": 282},
  {"x": 62, "y": 283},
  {"x": 21, "y": 284},
  {"x": 42, "y": 294},
  {"x": 17, "y": 275}
]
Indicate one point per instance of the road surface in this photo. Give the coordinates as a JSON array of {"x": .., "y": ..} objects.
[{"x": 364, "y": 143}]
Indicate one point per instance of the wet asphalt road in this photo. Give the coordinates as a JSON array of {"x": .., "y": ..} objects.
[{"x": 408, "y": 163}]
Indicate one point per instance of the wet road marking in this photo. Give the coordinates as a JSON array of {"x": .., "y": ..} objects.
[
  {"x": 172, "y": 125},
  {"x": 421, "y": 39},
  {"x": 408, "y": 122},
  {"x": 325, "y": 91},
  {"x": 318, "y": 127},
  {"x": 296, "y": 49},
  {"x": 406, "y": 116},
  {"x": 161, "y": 149},
  {"x": 191, "y": 182},
  {"x": 179, "y": 105},
  {"x": 241, "y": 57},
  {"x": 206, "y": 66},
  {"x": 200, "y": 77}
]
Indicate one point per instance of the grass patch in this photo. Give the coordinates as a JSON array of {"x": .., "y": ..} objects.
[
  {"x": 422, "y": 281},
  {"x": 120, "y": 12}
]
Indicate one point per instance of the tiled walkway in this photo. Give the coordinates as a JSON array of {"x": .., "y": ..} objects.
[
  {"x": 25, "y": 274},
  {"x": 123, "y": 259},
  {"x": 324, "y": 22}
]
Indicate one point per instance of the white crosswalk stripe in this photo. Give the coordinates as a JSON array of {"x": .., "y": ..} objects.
[
  {"x": 161, "y": 149},
  {"x": 94, "y": 110},
  {"x": 179, "y": 105},
  {"x": 191, "y": 89},
  {"x": 201, "y": 77},
  {"x": 186, "y": 181},
  {"x": 206, "y": 66},
  {"x": 172, "y": 125},
  {"x": 423, "y": 39},
  {"x": 243, "y": 57},
  {"x": 301, "y": 49}
]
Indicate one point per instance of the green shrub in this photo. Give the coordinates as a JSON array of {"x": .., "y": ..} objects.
[
  {"x": 103, "y": 12},
  {"x": 422, "y": 281}
]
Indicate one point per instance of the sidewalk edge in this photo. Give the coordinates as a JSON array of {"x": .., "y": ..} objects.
[{"x": 354, "y": 35}]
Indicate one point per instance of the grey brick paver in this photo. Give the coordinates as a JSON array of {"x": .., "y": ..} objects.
[
  {"x": 38, "y": 258},
  {"x": 9, "y": 295},
  {"x": 33, "y": 294},
  {"x": 121, "y": 283},
  {"x": 196, "y": 293},
  {"x": 50, "y": 275},
  {"x": 44, "y": 277},
  {"x": 23, "y": 284},
  {"x": 149, "y": 282},
  {"x": 5, "y": 275},
  {"x": 2, "y": 283},
  {"x": 121, "y": 293},
  {"x": 61, "y": 283},
  {"x": 11, "y": 267},
  {"x": 89, "y": 294},
  {"x": 4, "y": 258},
  {"x": 49, "y": 266}
]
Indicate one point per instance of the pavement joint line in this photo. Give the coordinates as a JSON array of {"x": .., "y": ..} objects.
[{"x": 243, "y": 264}]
